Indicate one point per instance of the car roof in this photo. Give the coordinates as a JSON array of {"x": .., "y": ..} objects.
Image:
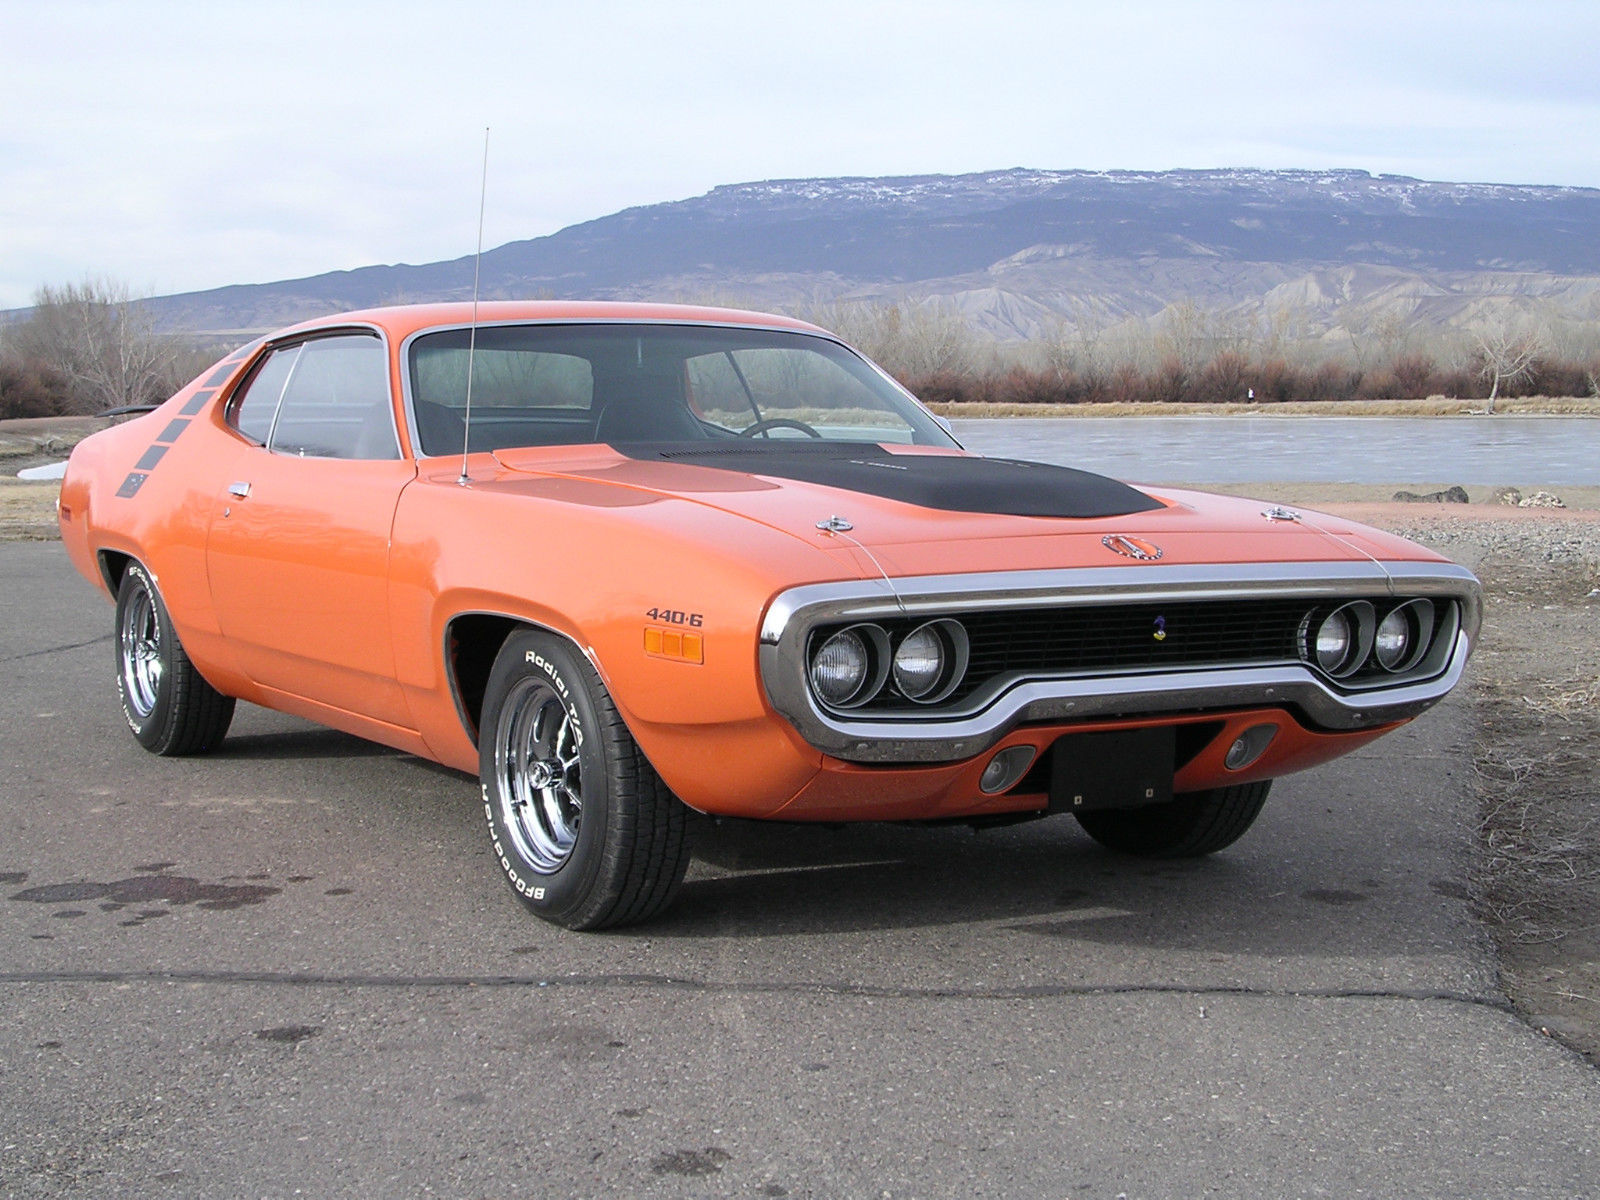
[{"x": 401, "y": 321}]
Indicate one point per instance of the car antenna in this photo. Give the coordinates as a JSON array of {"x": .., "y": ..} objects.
[{"x": 472, "y": 331}]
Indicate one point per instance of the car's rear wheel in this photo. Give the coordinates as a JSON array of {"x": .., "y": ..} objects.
[
  {"x": 1190, "y": 825},
  {"x": 585, "y": 830},
  {"x": 169, "y": 707}
]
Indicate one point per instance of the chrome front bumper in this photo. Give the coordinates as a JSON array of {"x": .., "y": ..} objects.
[{"x": 934, "y": 736}]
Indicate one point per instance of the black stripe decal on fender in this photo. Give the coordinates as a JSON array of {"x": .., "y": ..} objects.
[
  {"x": 171, "y": 432},
  {"x": 198, "y": 401},
  {"x": 150, "y": 458},
  {"x": 131, "y": 484}
]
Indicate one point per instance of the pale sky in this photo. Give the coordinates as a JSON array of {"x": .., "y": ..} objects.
[{"x": 174, "y": 146}]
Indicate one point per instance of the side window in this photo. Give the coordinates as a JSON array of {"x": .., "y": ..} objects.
[
  {"x": 253, "y": 410},
  {"x": 336, "y": 401}
]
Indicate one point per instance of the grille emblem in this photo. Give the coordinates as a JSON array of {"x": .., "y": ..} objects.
[
  {"x": 1131, "y": 547},
  {"x": 1161, "y": 629}
]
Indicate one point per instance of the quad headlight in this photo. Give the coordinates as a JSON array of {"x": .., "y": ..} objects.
[
  {"x": 847, "y": 663},
  {"x": 918, "y": 663},
  {"x": 861, "y": 663},
  {"x": 930, "y": 661},
  {"x": 1402, "y": 636},
  {"x": 1336, "y": 637},
  {"x": 1344, "y": 638},
  {"x": 1353, "y": 639}
]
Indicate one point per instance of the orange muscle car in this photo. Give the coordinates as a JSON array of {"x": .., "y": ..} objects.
[{"x": 629, "y": 561}]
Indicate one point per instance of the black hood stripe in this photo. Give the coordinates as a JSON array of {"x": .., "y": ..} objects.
[{"x": 952, "y": 483}]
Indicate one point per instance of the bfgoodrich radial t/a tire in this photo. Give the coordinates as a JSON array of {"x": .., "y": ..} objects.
[
  {"x": 585, "y": 831},
  {"x": 169, "y": 707},
  {"x": 1192, "y": 824}
]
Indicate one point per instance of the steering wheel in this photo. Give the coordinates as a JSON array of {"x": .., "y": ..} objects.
[{"x": 779, "y": 423}]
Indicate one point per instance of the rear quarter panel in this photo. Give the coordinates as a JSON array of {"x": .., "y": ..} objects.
[{"x": 148, "y": 489}]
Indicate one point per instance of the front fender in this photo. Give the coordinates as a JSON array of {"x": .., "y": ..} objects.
[{"x": 594, "y": 574}]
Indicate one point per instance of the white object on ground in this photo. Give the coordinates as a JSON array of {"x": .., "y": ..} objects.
[{"x": 54, "y": 470}]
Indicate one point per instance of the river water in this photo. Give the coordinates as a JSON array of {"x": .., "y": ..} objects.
[{"x": 1521, "y": 451}]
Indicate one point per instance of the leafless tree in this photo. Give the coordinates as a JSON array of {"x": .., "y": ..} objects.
[
  {"x": 909, "y": 340},
  {"x": 1193, "y": 335},
  {"x": 1506, "y": 354},
  {"x": 102, "y": 340}
]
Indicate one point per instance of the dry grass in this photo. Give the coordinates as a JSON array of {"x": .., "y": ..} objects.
[
  {"x": 44, "y": 437},
  {"x": 28, "y": 510},
  {"x": 1541, "y": 865},
  {"x": 1568, "y": 701}
]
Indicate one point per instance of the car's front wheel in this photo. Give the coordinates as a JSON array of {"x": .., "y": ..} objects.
[
  {"x": 585, "y": 830},
  {"x": 170, "y": 708},
  {"x": 1190, "y": 825}
]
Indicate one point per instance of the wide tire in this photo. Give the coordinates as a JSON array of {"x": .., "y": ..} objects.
[
  {"x": 1191, "y": 825},
  {"x": 585, "y": 830},
  {"x": 170, "y": 708}
]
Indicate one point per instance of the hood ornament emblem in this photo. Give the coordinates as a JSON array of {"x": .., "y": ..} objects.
[
  {"x": 1279, "y": 513},
  {"x": 1132, "y": 547},
  {"x": 835, "y": 525}
]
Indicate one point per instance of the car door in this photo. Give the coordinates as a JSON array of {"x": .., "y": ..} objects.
[{"x": 298, "y": 551}]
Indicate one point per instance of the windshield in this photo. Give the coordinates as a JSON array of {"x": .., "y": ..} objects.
[{"x": 554, "y": 384}]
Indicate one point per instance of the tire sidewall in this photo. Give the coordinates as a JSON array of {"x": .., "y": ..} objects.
[
  {"x": 149, "y": 730},
  {"x": 559, "y": 893}
]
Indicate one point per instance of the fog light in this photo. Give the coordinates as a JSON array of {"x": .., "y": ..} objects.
[
  {"x": 1005, "y": 769},
  {"x": 1249, "y": 746}
]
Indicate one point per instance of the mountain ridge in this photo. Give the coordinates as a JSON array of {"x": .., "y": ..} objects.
[{"x": 1019, "y": 249}]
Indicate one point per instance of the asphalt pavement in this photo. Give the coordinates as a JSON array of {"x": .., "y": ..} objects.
[{"x": 290, "y": 968}]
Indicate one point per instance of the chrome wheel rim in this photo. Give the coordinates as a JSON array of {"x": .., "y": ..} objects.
[
  {"x": 538, "y": 775},
  {"x": 140, "y": 644}
]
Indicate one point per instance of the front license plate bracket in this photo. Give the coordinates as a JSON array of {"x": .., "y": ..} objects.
[{"x": 1117, "y": 768}]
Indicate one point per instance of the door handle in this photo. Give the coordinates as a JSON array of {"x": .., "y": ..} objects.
[{"x": 239, "y": 490}]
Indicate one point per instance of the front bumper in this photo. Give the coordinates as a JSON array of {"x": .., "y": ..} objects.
[{"x": 932, "y": 736}]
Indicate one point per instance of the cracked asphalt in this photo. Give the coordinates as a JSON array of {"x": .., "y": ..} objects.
[{"x": 291, "y": 969}]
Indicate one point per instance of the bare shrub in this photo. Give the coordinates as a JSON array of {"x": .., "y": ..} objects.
[
  {"x": 910, "y": 341},
  {"x": 32, "y": 389},
  {"x": 1227, "y": 377},
  {"x": 103, "y": 342},
  {"x": 1275, "y": 382}
]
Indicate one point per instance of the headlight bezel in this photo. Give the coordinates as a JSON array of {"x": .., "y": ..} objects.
[
  {"x": 873, "y": 644},
  {"x": 1418, "y": 617},
  {"x": 951, "y": 636},
  {"x": 884, "y": 673},
  {"x": 1369, "y": 658},
  {"x": 1359, "y": 619}
]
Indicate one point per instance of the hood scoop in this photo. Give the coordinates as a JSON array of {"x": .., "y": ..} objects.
[{"x": 951, "y": 482}]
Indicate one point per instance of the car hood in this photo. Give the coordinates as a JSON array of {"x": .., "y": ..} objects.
[{"x": 874, "y": 533}]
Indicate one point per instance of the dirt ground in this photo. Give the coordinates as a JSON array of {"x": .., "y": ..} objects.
[{"x": 1535, "y": 681}]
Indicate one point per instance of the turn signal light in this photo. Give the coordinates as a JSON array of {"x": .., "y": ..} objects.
[{"x": 674, "y": 644}]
